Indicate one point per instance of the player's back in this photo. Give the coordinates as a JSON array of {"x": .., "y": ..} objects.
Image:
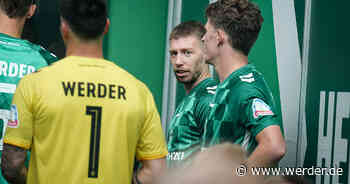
[{"x": 89, "y": 115}]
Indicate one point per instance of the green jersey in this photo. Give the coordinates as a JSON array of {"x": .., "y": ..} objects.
[
  {"x": 186, "y": 126},
  {"x": 17, "y": 58},
  {"x": 242, "y": 107}
]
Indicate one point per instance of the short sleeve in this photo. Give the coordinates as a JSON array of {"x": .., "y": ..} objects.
[
  {"x": 258, "y": 115},
  {"x": 151, "y": 144},
  {"x": 19, "y": 131}
]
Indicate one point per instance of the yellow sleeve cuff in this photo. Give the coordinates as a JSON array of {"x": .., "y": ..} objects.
[
  {"x": 153, "y": 157},
  {"x": 17, "y": 142}
]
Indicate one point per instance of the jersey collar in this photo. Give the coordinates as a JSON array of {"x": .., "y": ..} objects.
[{"x": 234, "y": 76}]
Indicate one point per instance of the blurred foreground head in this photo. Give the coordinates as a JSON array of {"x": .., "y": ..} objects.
[{"x": 215, "y": 165}]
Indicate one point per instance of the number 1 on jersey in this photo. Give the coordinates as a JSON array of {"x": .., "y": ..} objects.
[{"x": 96, "y": 115}]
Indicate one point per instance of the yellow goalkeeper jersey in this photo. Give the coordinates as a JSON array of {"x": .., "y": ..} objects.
[{"x": 85, "y": 120}]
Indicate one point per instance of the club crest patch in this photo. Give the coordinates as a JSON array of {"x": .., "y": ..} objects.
[
  {"x": 260, "y": 108},
  {"x": 13, "y": 122}
]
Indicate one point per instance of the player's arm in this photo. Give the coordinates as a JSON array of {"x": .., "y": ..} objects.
[
  {"x": 150, "y": 169},
  {"x": 270, "y": 150},
  {"x": 151, "y": 148},
  {"x": 265, "y": 127},
  {"x": 12, "y": 164},
  {"x": 18, "y": 132}
]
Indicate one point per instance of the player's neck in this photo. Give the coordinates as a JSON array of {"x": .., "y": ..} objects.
[
  {"x": 91, "y": 49},
  {"x": 189, "y": 86},
  {"x": 11, "y": 27},
  {"x": 229, "y": 61}
]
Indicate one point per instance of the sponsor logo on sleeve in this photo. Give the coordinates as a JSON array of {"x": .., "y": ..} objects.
[
  {"x": 260, "y": 108},
  {"x": 13, "y": 122}
]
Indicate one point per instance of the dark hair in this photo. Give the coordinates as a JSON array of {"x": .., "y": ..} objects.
[
  {"x": 240, "y": 19},
  {"x": 186, "y": 29},
  {"x": 15, "y": 8},
  {"x": 87, "y": 18}
]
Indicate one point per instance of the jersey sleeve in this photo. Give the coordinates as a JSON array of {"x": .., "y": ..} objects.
[
  {"x": 151, "y": 144},
  {"x": 19, "y": 130},
  {"x": 258, "y": 115}
]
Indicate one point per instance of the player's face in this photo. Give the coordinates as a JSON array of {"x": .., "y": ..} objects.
[
  {"x": 187, "y": 58},
  {"x": 210, "y": 42}
]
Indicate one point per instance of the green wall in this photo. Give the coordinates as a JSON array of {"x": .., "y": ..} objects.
[
  {"x": 328, "y": 71},
  {"x": 194, "y": 10},
  {"x": 46, "y": 23},
  {"x": 300, "y": 16},
  {"x": 136, "y": 40}
]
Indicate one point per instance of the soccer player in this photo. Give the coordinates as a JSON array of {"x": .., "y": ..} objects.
[
  {"x": 84, "y": 118},
  {"x": 17, "y": 57},
  {"x": 243, "y": 111},
  {"x": 188, "y": 61}
]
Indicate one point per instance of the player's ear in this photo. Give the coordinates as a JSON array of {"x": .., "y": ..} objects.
[
  {"x": 221, "y": 37},
  {"x": 64, "y": 28},
  {"x": 106, "y": 27},
  {"x": 31, "y": 11}
]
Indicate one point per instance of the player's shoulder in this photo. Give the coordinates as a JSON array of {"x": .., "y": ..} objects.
[
  {"x": 247, "y": 86},
  {"x": 210, "y": 84},
  {"x": 48, "y": 56},
  {"x": 208, "y": 88},
  {"x": 205, "y": 95},
  {"x": 41, "y": 73},
  {"x": 29, "y": 48},
  {"x": 248, "y": 77},
  {"x": 9, "y": 41},
  {"x": 34, "y": 75},
  {"x": 31, "y": 78},
  {"x": 246, "y": 91}
]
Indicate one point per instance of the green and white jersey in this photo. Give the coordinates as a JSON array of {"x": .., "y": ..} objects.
[
  {"x": 242, "y": 107},
  {"x": 17, "y": 58},
  {"x": 186, "y": 127}
]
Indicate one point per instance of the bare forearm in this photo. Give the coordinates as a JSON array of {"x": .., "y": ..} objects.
[
  {"x": 144, "y": 175},
  {"x": 12, "y": 164},
  {"x": 262, "y": 157},
  {"x": 270, "y": 150},
  {"x": 150, "y": 170}
]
